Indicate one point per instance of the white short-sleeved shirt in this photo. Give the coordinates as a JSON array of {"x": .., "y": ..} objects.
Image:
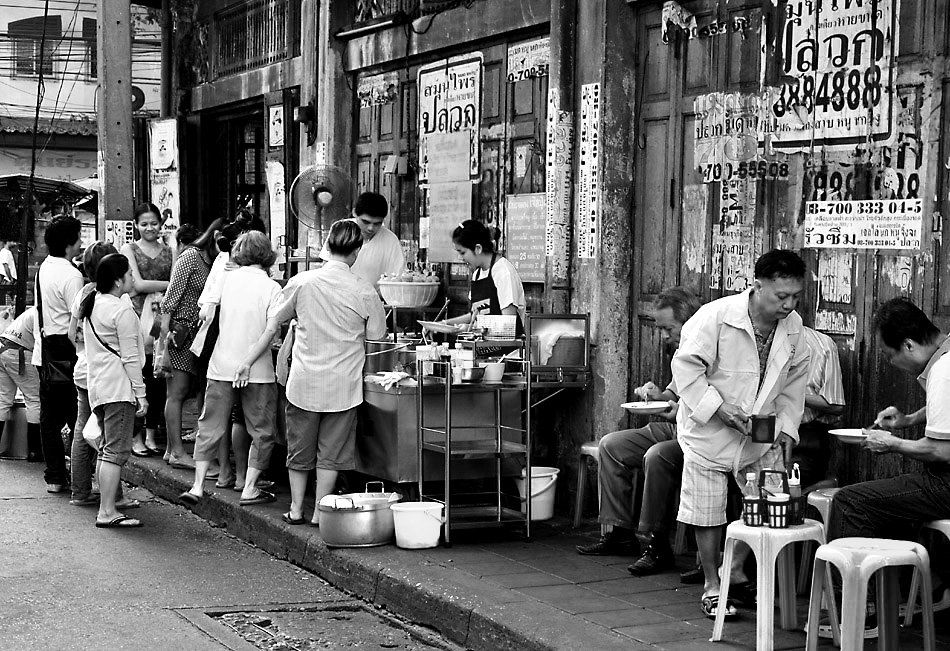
[
  {"x": 507, "y": 284},
  {"x": 249, "y": 297},
  {"x": 380, "y": 255},
  {"x": 936, "y": 380},
  {"x": 60, "y": 282},
  {"x": 6, "y": 257}
]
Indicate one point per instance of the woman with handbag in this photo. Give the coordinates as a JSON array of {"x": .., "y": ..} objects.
[
  {"x": 151, "y": 262},
  {"x": 115, "y": 354},
  {"x": 179, "y": 312}
]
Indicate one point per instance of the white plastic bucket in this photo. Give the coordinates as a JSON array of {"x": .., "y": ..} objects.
[
  {"x": 418, "y": 524},
  {"x": 543, "y": 486}
]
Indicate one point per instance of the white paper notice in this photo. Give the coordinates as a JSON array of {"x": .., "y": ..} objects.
[
  {"x": 871, "y": 224},
  {"x": 449, "y": 156},
  {"x": 449, "y": 205},
  {"x": 278, "y": 204}
]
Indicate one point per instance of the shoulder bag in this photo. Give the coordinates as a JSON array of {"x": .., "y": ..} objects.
[{"x": 59, "y": 353}]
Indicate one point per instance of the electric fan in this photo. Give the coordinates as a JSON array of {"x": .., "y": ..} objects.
[{"x": 319, "y": 196}]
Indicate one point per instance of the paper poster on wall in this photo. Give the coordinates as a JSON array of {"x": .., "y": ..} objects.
[
  {"x": 450, "y": 204},
  {"x": 277, "y": 201},
  {"x": 869, "y": 224},
  {"x": 560, "y": 146},
  {"x": 839, "y": 55},
  {"x": 526, "y": 233},
  {"x": 449, "y": 101},
  {"x": 275, "y": 125},
  {"x": 734, "y": 237},
  {"x": 448, "y": 157},
  {"x": 529, "y": 59},
  {"x": 119, "y": 232},
  {"x": 163, "y": 174},
  {"x": 375, "y": 90},
  {"x": 836, "y": 275},
  {"x": 588, "y": 191}
]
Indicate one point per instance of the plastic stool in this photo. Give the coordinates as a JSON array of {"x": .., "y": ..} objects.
[
  {"x": 768, "y": 545},
  {"x": 858, "y": 559},
  {"x": 13, "y": 443},
  {"x": 820, "y": 499},
  {"x": 941, "y": 526},
  {"x": 592, "y": 449}
]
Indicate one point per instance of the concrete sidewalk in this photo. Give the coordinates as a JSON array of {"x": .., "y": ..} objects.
[{"x": 491, "y": 591}]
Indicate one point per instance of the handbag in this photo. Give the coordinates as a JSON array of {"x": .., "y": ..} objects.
[
  {"x": 58, "y": 352},
  {"x": 182, "y": 333}
]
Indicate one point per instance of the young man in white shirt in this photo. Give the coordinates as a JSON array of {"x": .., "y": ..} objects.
[
  {"x": 60, "y": 282},
  {"x": 382, "y": 252},
  {"x": 7, "y": 261}
]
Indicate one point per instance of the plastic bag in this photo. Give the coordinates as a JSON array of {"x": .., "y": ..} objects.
[
  {"x": 92, "y": 432},
  {"x": 161, "y": 363}
]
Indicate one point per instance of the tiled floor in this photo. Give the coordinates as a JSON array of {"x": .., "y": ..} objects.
[{"x": 657, "y": 611}]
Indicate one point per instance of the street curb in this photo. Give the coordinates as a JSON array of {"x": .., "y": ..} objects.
[{"x": 461, "y": 607}]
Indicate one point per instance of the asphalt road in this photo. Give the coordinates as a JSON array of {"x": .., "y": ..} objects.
[{"x": 176, "y": 583}]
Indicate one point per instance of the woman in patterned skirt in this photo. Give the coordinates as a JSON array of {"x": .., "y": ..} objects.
[
  {"x": 151, "y": 263},
  {"x": 179, "y": 310}
]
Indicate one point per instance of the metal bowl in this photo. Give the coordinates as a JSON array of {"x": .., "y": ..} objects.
[{"x": 474, "y": 374}]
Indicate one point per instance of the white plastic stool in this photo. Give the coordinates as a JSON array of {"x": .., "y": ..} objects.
[
  {"x": 820, "y": 499},
  {"x": 858, "y": 559},
  {"x": 768, "y": 545},
  {"x": 940, "y": 526}
]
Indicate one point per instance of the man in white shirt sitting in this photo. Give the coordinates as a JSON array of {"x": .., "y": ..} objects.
[{"x": 382, "y": 251}]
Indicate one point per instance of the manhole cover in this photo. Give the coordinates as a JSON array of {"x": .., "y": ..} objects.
[{"x": 312, "y": 627}]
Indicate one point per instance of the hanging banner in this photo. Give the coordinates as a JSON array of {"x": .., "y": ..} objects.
[
  {"x": 560, "y": 145},
  {"x": 588, "y": 191},
  {"x": 840, "y": 55},
  {"x": 163, "y": 171},
  {"x": 375, "y": 90},
  {"x": 450, "y": 101},
  {"x": 529, "y": 59}
]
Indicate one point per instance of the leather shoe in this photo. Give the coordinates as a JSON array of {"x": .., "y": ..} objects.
[
  {"x": 611, "y": 545},
  {"x": 655, "y": 559}
]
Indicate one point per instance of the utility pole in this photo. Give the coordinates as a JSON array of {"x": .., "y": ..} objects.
[{"x": 114, "y": 100}]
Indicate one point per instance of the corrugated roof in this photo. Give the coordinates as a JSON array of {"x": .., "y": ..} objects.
[
  {"x": 46, "y": 189},
  {"x": 59, "y": 126}
]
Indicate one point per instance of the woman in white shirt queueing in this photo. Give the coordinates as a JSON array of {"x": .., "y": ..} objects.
[{"x": 115, "y": 355}]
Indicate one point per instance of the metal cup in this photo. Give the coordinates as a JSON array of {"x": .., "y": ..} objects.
[{"x": 763, "y": 429}]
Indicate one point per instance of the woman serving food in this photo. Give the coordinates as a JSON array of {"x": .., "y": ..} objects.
[{"x": 496, "y": 286}]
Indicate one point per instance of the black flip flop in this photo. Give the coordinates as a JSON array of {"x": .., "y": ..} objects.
[
  {"x": 262, "y": 498},
  {"x": 289, "y": 520},
  {"x": 710, "y": 604},
  {"x": 141, "y": 455},
  {"x": 119, "y": 522}
]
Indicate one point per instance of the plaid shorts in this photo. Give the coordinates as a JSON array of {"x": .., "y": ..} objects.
[{"x": 704, "y": 490}]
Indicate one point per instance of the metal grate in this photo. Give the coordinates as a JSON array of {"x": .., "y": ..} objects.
[{"x": 254, "y": 34}]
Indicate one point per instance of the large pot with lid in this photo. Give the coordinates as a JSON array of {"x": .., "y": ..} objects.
[
  {"x": 358, "y": 519},
  {"x": 383, "y": 356}
]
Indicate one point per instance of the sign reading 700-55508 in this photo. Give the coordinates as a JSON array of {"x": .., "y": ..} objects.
[{"x": 753, "y": 169}]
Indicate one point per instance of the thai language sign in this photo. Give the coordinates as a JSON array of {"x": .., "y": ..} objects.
[
  {"x": 871, "y": 224},
  {"x": 163, "y": 171},
  {"x": 839, "y": 55},
  {"x": 529, "y": 59},
  {"x": 526, "y": 231},
  {"x": 449, "y": 101},
  {"x": 588, "y": 183}
]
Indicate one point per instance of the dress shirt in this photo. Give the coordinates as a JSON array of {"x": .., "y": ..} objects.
[
  {"x": 824, "y": 375},
  {"x": 111, "y": 377},
  {"x": 60, "y": 282},
  {"x": 336, "y": 313},
  {"x": 936, "y": 381}
]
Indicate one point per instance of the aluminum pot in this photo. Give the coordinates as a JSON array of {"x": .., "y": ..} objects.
[{"x": 358, "y": 519}]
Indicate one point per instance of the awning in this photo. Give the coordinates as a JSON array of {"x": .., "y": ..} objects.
[
  {"x": 47, "y": 190},
  {"x": 75, "y": 126}
]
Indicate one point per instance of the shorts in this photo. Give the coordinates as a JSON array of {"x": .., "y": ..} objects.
[
  {"x": 117, "y": 420},
  {"x": 704, "y": 491},
  {"x": 325, "y": 440}
]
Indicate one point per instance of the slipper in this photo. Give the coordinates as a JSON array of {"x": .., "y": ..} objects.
[
  {"x": 262, "y": 498},
  {"x": 710, "y": 604},
  {"x": 264, "y": 484},
  {"x": 212, "y": 474},
  {"x": 189, "y": 499},
  {"x": 226, "y": 484},
  {"x": 119, "y": 522},
  {"x": 181, "y": 464},
  {"x": 136, "y": 453},
  {"x": 743, "y": 594},
  {"x": 155, "y": 451},
  {"x": 92, "y": 500},
  {"x": 127, "y": 504},
  {"x": 289, "y": 520}
]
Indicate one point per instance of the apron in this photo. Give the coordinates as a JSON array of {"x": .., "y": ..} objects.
[{"x": 484, "y": 297}]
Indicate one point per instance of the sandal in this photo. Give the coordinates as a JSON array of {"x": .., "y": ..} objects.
[{"x": 710, "y": 604}]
